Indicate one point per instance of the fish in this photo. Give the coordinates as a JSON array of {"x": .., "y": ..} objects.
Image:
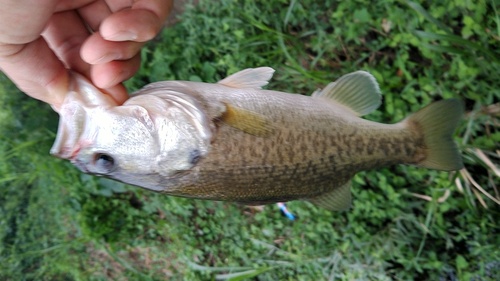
[{"x": 234, "y": 141}]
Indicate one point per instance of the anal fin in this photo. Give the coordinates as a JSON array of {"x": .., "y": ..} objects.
[{"x": 339, "y": 199}]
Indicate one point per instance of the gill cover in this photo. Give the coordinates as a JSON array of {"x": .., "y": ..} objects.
[
  {"x": 183, "y": 128},
  {"x": 178, "y": 130}
]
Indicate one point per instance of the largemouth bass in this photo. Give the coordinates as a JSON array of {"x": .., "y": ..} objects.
[{"x": 233, "y": 141}]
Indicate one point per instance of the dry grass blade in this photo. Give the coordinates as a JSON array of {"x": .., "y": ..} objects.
[
  {"x": 480, "y": 199},
  {"x": 466, "y": 176},
  {"x": 492, "y": 182},
  {"x": 428, "y": 198},
  {"x": 459, "y": 185},
  {"x": 493, "y": 109},
  {"x": 480, "y": 154}
]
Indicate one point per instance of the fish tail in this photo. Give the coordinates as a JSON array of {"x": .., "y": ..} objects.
[{"x": 437, "y": 122}]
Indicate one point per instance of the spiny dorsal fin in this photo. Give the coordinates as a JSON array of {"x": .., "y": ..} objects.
[
  {"x": 253, "y": 78},
  {"x": 358, "y": 91},
  {"x": 338, "y": 199},
  {"x": 247, "y": 121}
]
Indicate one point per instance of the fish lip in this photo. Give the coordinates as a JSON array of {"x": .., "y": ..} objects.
[
  {"x": 80, "y": 164},
  {"x": 63, "y": 153},
  {"x": 75, "y": 153}
]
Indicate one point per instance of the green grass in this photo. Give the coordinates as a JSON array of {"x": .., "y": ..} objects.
[{"x": 406, "y": 223}]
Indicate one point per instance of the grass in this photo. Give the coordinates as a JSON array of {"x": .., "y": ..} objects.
[{"x": 406, "y": 223}]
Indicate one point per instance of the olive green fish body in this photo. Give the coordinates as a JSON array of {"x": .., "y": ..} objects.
[
  {"x": 315, "y": 147},
  {"x": 233, "y": 141}
]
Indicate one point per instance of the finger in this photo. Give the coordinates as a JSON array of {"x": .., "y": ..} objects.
[
  {"x": 130, "y": 25},
  {"x": 117, "y": 92},
  {"x": 140, "y": 23},
  {"x": 36, "y": 70},
  {"x": 65, "y": 33},
  {"x": 161, "y": 8},
  {"x": 25, "y": 57},
  {"x": 66, "y": 5},
  {"x": 15, "y": 28},
  {"x": 118, "y": 5},
  {"x": 112, "y": 73},
  {"x": 96, "y": 50},
  {"x": 94, "y": 13}
]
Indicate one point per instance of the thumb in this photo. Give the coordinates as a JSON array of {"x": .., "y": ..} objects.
[
  {"x": 25, "y": 56},
  {"x": 36, "y": 70}
]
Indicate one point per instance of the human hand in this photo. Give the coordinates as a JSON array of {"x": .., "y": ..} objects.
[{"x": 101, "y": 39}]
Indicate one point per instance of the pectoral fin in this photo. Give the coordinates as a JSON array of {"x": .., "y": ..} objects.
[
  {"x": 253, "y": 78},
  {"x": 247, "y": 121},
  {"x": 338, "y": 199}
]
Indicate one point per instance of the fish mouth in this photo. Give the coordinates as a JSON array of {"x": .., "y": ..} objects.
[
  {"x": 63, "y": 153},
  {"x": 77, "y": 161},
  {"x": 74, "y": 154},
  {"x": 81, "y": 165},
  {"x": 67, "y": 152}
]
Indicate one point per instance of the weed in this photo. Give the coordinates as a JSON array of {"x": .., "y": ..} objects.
[{"x": 406, "y": 223}]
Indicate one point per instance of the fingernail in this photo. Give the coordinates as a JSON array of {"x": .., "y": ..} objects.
[{"x": 122, "y": 36}]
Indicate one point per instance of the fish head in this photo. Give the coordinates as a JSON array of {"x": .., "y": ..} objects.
[
  {"x": 115, "y": 141},
  {"x": 154, "y": 136}
]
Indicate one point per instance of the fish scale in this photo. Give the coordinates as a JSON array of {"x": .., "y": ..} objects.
[
  {"x": 234, "y": 141},
  {"x": 313, "y": 157}
]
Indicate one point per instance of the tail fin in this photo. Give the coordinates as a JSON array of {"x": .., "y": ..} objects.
[{"x": 437, "y": 123}]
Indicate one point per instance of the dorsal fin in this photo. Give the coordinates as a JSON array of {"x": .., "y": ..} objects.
[
  {"x": 254, "y": 78},
  {"x": 358, "y": 91},
  {"x": 339, "y": 199}
]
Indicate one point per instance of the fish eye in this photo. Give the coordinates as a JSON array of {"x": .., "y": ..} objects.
[
  {"x": 194, "y": 156},
  {"x": 104, "y": 162}
]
